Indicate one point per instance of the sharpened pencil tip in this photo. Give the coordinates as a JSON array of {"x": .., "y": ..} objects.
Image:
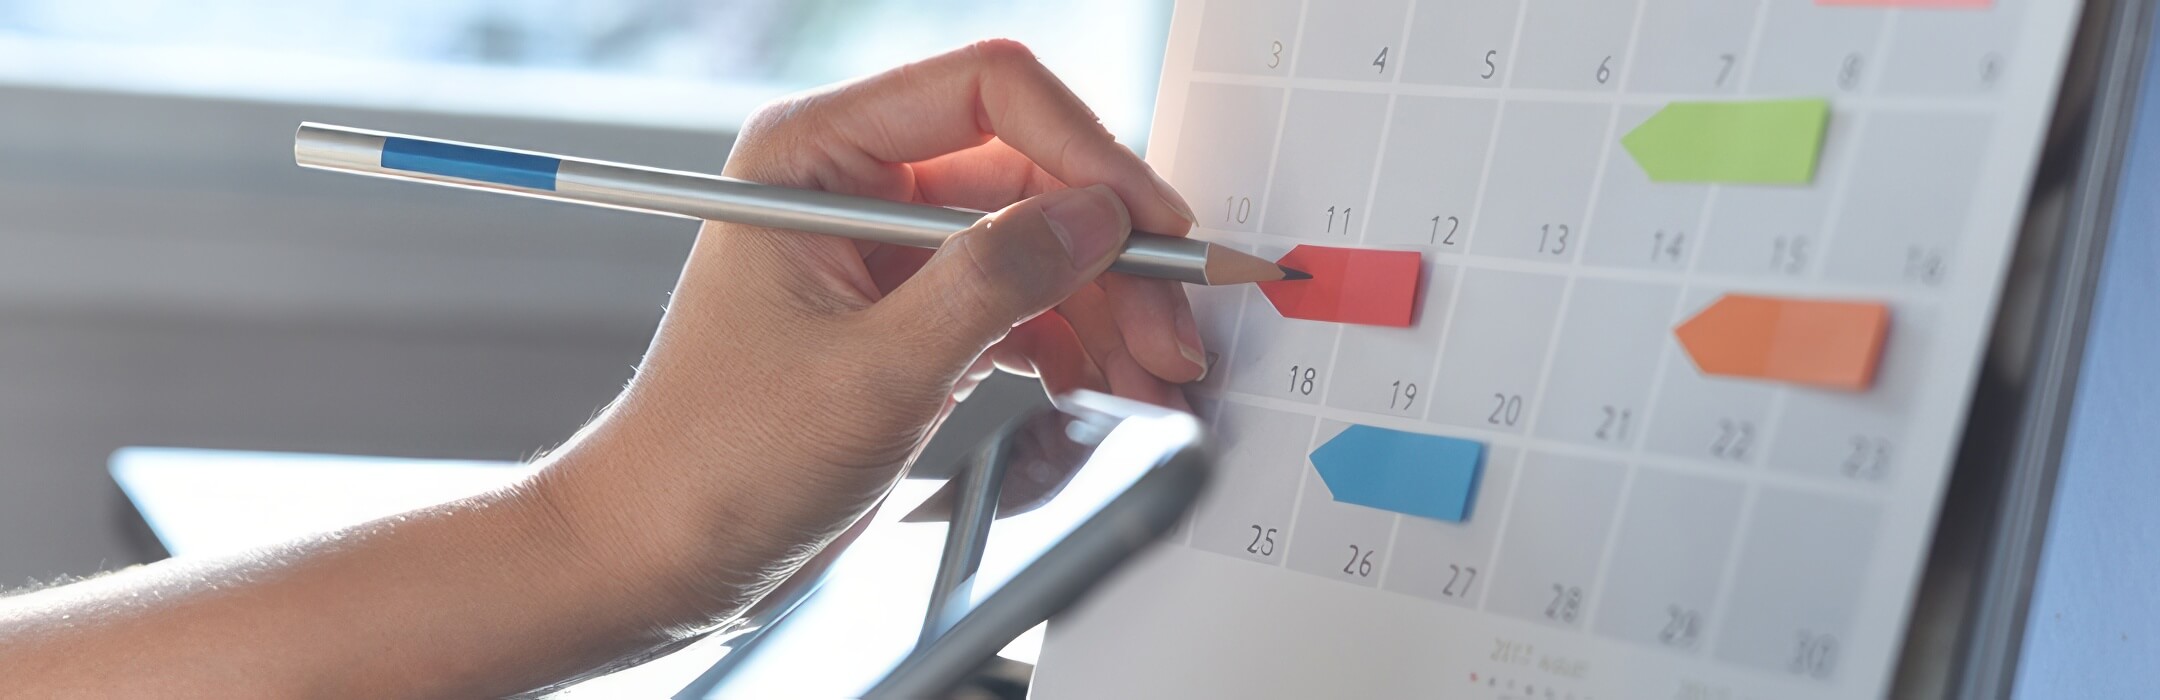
[{"x": 1290, "y": 274}]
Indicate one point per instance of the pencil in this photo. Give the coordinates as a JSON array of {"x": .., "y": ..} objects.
[{"x": 716, "y": 198}]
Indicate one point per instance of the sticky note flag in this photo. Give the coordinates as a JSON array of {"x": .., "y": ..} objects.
[
  {"x": 1828, "y": 344},
  {"x": 1916, "y": 4},
  {"x": 1349, "y": 285},
  {"x": 1764, "y": 142},
  {"x": 1428, "y": 476}
]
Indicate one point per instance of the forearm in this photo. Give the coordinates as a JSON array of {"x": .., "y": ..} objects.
[
  {"x": 792, "y": 380},
  {"x": 481, "y": 597}
]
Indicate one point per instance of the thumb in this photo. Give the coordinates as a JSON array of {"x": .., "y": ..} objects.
[{"x": 1008, "y": 267}]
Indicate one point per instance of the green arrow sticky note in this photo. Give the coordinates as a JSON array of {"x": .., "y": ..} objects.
[{"x": 1765, "y": 142}]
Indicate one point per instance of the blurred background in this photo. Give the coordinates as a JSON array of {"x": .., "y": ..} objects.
[{"x": 168, "y": 277}]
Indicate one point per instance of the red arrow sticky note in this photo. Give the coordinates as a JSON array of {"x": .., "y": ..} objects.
[
  {"x": 1830, "y": 344},
  {"x": 1349, "y": 285}
]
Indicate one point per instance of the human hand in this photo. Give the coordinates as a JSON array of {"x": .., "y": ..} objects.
[
  {"x": 794, "y": 376},
  {"x": 792, "y": 379}
]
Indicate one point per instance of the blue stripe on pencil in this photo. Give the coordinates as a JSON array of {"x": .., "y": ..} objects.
[{"x": 470, "y": 163}]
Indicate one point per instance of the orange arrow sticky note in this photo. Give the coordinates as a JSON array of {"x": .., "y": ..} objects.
[
  {"x": 1349, "y": 285},
  {"x": 1830, "y": 344}
]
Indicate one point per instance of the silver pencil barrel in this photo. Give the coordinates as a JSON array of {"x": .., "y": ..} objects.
[{"x": 684, "y": 194}]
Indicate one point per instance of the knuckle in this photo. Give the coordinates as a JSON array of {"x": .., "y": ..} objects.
[
  {"x": 773, "y": 117},
  {"x": 770, "y": 144},
  {"x": 1002, "y": 52},
  {"x": 767, "y": 117}
]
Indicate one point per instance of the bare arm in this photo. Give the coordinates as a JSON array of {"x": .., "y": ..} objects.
[
  {"x": 475, "y": 598},
  {"x": 792, "y": 380}
]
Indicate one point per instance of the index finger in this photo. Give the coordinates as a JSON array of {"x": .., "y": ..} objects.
[{"x": 997, "y": 88}]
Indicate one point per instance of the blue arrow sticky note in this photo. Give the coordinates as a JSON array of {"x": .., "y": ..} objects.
[{"x": 1428, "y": 476}]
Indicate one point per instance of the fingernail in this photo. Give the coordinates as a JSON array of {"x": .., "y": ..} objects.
[
  {"x": 1090, "y": 221},
  {"x": 1188, "y": 341},
  {"x": 1171, "y": 197}
]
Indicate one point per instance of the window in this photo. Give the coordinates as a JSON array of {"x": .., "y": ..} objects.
[{"x": 679, "y": 63}]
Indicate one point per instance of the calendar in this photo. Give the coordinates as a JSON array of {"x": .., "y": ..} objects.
[{"x": 1705, "y": 287}]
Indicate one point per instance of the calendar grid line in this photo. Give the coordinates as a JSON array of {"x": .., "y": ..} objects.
[
  {"x": 1522, "y": 456},
  {"x": 1599, "y": 300},
  {"x": 1530, "y": 424},
  {"x": 1372, "y": 192},
  {"x": 1297, "y": 499},
  {"x": 1773, "y": 416},
  {"x": 1910, "y": 293},
  {"x": 1886, "y": 103},
  {"x": 1432, "y": 377},
  {"x": 1610, "y": 541},
  {"x": 1439, "y": 352},
  {"x": 1387, "y": 562},
  {"x": 1402, "y": 42},
  {"x": 1639, "y": 448},
  {"x": 1725, "y": 471},
  {"x": 1221, "y": 362},
  {"x": 1476, "y": 220},
  {"x": 1730, "y": 571},
  {"x": 1668, "y": 353},
  {"x": 1835, "y": 210},
  {"x": 1588, "y": 222},
  {"x": 1754, "y": 46},
  {"x": 1267, "y": 183},
  {"x": 1602, "y": 570},
  {"x": 1506, "y": 501}
]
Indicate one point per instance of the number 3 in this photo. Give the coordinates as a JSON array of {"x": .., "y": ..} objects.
[{"x": 1274, "y": 57}]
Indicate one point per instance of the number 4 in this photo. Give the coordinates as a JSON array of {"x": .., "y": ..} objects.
[{"x": 1380, "y": 62}]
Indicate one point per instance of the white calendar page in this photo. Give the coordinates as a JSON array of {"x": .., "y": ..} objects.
[{"x": 1640, "y": 529}]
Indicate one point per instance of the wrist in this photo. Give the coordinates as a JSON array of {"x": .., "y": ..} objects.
[
  {"x": 615, "y": 542},
  {"x": 690, "y": 536}
]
